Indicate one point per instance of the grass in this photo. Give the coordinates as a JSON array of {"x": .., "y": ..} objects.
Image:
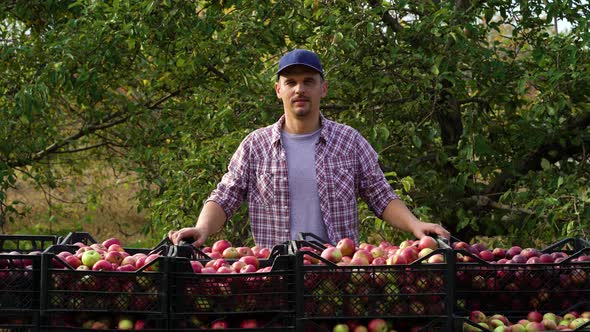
[{"x": 99, "y": 202}]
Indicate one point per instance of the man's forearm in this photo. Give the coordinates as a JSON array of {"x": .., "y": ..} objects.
[
  {"x": 398, "y": 215},
  {"x": 211, "y": 218}
]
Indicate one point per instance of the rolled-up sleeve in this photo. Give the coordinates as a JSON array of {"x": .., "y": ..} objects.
[
  {"x": 232, "y": 189},
  {"x": 373, "y": 186}
]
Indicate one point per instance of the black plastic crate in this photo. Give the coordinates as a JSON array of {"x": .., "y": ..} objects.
[
  {"x": 20, "y": 272},
  {"x": 199, "y": 299},
  {"x": 25, "y": 244},
  {"x": 85, "y": 321},
  {"x": 568, "y": 245},
  {"x": 68, "y": 290},
  {"x": 328, "y": 290},
  {"x": 494, "y": 287},
  {"x": 75, "y": 237}
]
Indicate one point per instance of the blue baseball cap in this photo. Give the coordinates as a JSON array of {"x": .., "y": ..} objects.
[{"x": 300, "y": 57}]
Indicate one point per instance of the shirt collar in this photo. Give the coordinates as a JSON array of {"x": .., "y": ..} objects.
[{"x": 325, "y": 126}]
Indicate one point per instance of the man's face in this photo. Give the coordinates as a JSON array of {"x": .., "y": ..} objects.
[{"x": 301, "y": 89}]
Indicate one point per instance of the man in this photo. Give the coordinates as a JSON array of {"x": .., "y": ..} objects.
[{"x": 303, "y": 173}]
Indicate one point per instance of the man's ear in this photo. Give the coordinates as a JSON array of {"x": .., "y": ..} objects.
[
  {"x": 324, "y": 88},
  {"x": 278, "y": 89}
]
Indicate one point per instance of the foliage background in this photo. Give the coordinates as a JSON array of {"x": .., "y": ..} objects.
[{"x": 478, "y": 109}]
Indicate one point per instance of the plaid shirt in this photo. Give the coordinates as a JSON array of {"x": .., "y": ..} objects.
[{"x": 346, "y": 166}]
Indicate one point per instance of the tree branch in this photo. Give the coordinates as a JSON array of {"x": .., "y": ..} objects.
[
  {"x": 87, "y": 130},
  {"x": 389, "y": 20}
]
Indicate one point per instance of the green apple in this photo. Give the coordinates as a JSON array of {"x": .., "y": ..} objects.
[
  {"x": 90, "y": 257},
  {"x": 340, "y": 328},
  {"x": 125, "y": 323}
]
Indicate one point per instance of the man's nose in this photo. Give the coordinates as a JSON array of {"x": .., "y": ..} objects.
[{"x": 299, "y": 89}]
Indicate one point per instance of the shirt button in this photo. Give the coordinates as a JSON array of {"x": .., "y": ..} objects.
[
  {"x": 286, "y": 231},
  {"x": 285, "y": 179}
]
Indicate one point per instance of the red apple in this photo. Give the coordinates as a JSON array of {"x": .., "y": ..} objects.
[
  {"x": 518, "y": 259},
  {"x": 114, "y": 257},
  {"x": 219, "y": 324},
  {"x": 378, "y": 252},
  {"x": 245, "y": 251},
  {"x": 427, "y": 242},
  {"x": 379, "y": 261},
  {"x": 237, "y": 266},
  {"x": 131, "y": 260},
  {"x": 217, "y": 263},
  {"x": 126, "y": 268},
  {"x": 196, "y": 266},
  {"x": 253, "y": 260},
  {"x": 477, "y": 316},
  {"x": 150, "y": 262},
  {"x": 436, "y": 259},
  {"x": 208, "y": 270},
  {"x": 377, "y": 325},
  {"x": 220, "y": 245},
  {"x": 364, "y": 254},
  {"x": 102, "y": 265},
  {"x": 73, "y": 261},
  {"x": 110, "y": 241},
  {"x": 486, "y": 255},
  {"x": 332, "y": 254},
  {"x": 115, "y": 247},
  {"x": 248, "y": 268},
  {"x": 249, "y": 324},
  {"x": 139, "y": 324},
  {"x": 225, "y": 269},
  {"x": 534, "y": 316},
  {"x": 264, "y": 253},
  {"x": 98, "y": 247},
  {"x": 409, "y": 253},
  {"x": 346, "y": 246},
  {"x": 513, "y": 251},
  {"x": 499, "y": 253},
  {"x": 230, "y": 253},
  {"x": 396, "y": 260},
  {"x": 530, "y": 252}
]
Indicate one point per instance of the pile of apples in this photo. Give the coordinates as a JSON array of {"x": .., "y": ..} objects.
[
  {"x": 225, "y": 258},
  {"x": 101, "y": 321},
  {"x": 534, "y": 321},
  {"x": 109, "y": 255},
  {"x": 345, "y": 252},
  {"x": 512, "y": 255},
  {"x": 374, "y": 325}
]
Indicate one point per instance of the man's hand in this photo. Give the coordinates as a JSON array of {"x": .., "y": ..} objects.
[
  {"x": 425, "y": 228},
  {"x": 189, "y": 234}
]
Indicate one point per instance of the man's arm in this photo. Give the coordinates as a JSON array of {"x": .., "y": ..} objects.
[
  {"x": 211, "y": 219},
  {"x": 398, "y": 215}
]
